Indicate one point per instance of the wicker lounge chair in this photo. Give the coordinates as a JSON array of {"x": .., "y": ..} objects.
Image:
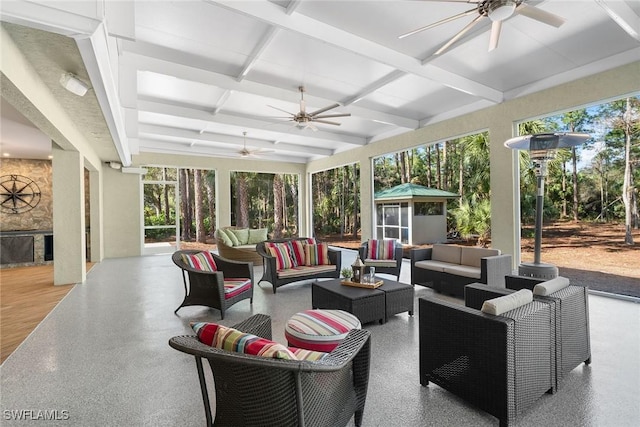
[
  {"x": 260, "y": 391},
  {"x": 501, "y": 364},
  {"x": 207, "y": 288},
  {"x": 394, "y": 270}
]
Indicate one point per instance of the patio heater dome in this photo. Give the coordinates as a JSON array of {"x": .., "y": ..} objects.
[{"x": 542, "y": 147}]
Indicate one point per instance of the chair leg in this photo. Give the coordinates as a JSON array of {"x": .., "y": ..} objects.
[
  {"x": 358, "y": 417},
  {"x": 205, "y": 393}
]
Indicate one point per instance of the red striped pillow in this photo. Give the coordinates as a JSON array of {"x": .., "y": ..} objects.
[
  {"x": 381, "y": 249},
  {"x": 202, "y": 261},
  {"x": 317, "y": 254},
  {"x": 206, "y": 332},
  {"x": 233, "y": 340},
  {"x": 297, "y": 252},
  {"x": 280, "y": 251}
]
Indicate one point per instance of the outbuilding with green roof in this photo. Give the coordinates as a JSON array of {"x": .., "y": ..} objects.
[{"x": 412, "y": 213}]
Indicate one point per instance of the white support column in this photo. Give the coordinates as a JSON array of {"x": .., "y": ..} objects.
[
  {"x": 505, "y": 200},
  {"x": 95, "y": 206},
  {"x": 367, "y": 224},
  {"x": 69, "y": 246}
]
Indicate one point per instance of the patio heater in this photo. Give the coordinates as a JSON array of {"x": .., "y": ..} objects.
[{"x": 542, "y": 148}]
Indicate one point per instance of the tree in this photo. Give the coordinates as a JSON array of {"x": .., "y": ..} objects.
[
  {"x": 201, "y": 233},
  {"x": 242, "y": 214},
  {"x": 278, "y": 191}
]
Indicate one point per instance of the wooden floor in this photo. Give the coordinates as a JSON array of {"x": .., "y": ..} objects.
[{"x": 27, "y": 295}]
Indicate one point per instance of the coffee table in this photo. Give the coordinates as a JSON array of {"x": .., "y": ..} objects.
[{"x": 368, "y": 305}]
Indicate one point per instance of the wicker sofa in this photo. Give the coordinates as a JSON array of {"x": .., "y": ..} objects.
[
  {"x": 260, "y": 391},
  {"x": 240, "y": 250},
  {"x": 279, "y": 277},
  {"x": 448, "y": 268},
  {"x": 501, "y": 364}
]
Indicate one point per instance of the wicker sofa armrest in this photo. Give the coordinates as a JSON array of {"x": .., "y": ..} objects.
[
  {"x": 493, "y": 270},
  {"x": 258, "y": 324},
  {"x": 335, "y": 258},
  {"x": 420, "y": 254}
]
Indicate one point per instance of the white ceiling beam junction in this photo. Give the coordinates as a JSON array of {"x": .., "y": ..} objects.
[{"x": 273, "y": 14}]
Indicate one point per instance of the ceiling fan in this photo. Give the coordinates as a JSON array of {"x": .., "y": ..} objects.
[
  {"x": 245, "y": 152},
  {"x": 497, "y": 11},
  {"x": 305, "y": 120}
]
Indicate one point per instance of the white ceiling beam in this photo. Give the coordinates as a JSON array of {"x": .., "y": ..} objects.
[
  {"x": 623, "y": 15},
  {"x": 193, "y": 135},
  {"x": 272, "y": 14},
  {"x": 164, "y": 147},
  {"x": 292, "y": 6},
  {"x": 264, "y": 42},
  {"x": 161, "y": 60},
  {"x": 245, "y": 121},
  {"x": 380, "y": 83}
]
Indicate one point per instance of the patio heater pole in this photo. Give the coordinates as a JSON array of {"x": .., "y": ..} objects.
[{"x": 542, "y": 147}]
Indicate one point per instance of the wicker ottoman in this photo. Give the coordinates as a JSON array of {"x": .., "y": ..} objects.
[{"x": 319, "y": 330}]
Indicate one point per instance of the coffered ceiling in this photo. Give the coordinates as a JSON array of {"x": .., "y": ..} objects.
[{"x": 189, "y": 77}]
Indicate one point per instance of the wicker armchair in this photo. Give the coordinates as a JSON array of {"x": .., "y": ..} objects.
[
  {"x": 571, "y": 308},
  {"x": 394, "y": 271},
  {"x": 207, "y": 288},
  {"x": 501, "y": 364},
  {"x": 259, "y": 391}
]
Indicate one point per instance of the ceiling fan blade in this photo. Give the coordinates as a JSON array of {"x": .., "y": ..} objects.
[
  {"x": 495, "y": 35},
  {"x": 461, "y": 33},
  {"x": 322, "y": 110},
  {"x": 326, "y": 122},
  {"x": 442, "y": 21},
  {"x": 326, "y": 116},
  {"x": 280, "y": 109},
  {"x": 540, "y": 15}
]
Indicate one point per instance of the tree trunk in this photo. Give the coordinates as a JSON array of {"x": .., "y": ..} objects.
[
  {"x": 576, "y": 199},
  {"x": 167, "y": 211},
  {"x": 293, "y": 189},
  {"x": 438, "y": 168},
  {"x": 356, "y": 203},
  {"x": 185, "y": 204},
  {"x": 211, "y": 199},
  {"x": 242, "y": 218},
  {"x": 429, "y": 167},
  {"x": 627, "y": 185},
  {"x": 564, "y": 190},
  {"x": 201, "y": 233},
  {"x": 277, "y": 206}
]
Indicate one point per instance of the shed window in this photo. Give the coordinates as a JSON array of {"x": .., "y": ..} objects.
[{"x": 428, "y": 208}]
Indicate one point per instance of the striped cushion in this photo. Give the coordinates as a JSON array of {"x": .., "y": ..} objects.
[
  {"x": 233, "y": 287},
  {"x": 202, "y": 261},
  {"x": 319, "y": 330},
  {"x": 309, "y": 355},
  {"x": 381, "y": 249},
  {"x": 317, "y": 254},
  {"x": 206, "y": 332},
  {"x": 296, "y": 247},
  {"x": 380, "y": 262},
  {"x": 233, "y": 340},
  {"x": 282, "y": 255}
]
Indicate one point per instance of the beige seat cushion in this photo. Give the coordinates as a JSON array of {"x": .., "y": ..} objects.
[
  {"x": 446, "y": 253},
  {"x": 471, "y": 255},
  {"x": 433, "y": 265},
  {"x": 305, "y": 270}
]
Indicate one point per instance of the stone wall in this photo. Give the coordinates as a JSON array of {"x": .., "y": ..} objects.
[{"x": 41, "y": 216}]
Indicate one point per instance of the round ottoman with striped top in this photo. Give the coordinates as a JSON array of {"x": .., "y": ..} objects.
[{"x": 319, "y": 330}]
